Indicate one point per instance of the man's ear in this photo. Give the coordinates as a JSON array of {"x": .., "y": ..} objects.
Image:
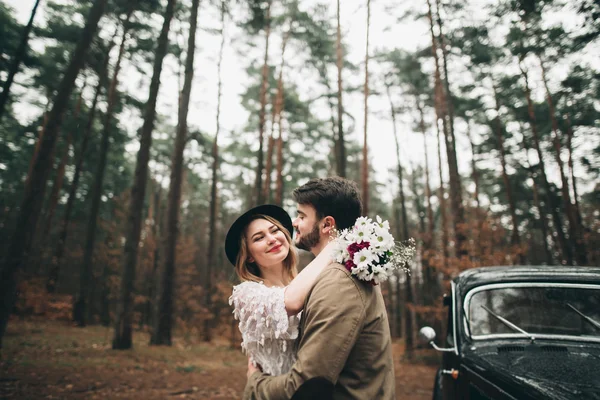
[{"x": 328, "y": 225}]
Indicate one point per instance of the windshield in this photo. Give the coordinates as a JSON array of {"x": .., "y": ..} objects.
[{"x": 538, "y": 309}]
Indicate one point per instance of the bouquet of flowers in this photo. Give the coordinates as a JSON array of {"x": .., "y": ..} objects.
[{"x": 369, "y": 251}]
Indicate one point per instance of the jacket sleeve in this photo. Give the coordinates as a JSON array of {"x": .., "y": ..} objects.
[{"x": 335, "y": 313}]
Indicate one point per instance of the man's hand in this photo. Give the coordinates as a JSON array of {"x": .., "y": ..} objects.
[{"x": 252, "y": 369}]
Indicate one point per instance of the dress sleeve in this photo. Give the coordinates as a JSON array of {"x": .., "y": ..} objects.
[{"x": 261, "y": 312}]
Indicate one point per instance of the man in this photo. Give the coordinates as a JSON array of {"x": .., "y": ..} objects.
[{"x": 344, "y": 349}]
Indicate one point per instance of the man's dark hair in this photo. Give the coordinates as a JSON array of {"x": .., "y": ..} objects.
[{"x": 334, "y": 196}]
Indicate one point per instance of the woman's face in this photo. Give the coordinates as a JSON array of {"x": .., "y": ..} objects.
[{"x": 267, "y": 244}]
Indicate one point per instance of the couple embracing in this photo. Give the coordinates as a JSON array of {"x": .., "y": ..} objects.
[{"x": 318, "y": 334}]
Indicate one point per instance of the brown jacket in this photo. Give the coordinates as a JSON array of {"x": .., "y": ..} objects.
[{"x": 344, "y": 350}]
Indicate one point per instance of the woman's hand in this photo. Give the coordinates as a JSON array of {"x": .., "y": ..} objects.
[{"x": 252, "y": 368}]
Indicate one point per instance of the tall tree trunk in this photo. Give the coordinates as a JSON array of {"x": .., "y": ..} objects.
[
  {"x": 80, "y": 309},
  {"x": 334, "y": 134},
  {"x": 577, "y": 210},
  {"x": 341, "y": 146},
  {"x": 409, "y": 313},
  {"x": 450, "y": 140},
  {"x": 475, "y": 177},
  {"x": 20, "y": 241},
  {"x": 442, "y": 200},
  {"x": 16, "y": 62},
  {"x": 279, "y": 105},
  {"x": 429, "y": 271},
  {"x": 36, "y": 148},
  {"x": 214, "y": 196},
  {"x": 62, "y": 237},
  {"x": 60, "y": 174},
  {"x": 365, "y": 151},
  {"x": 123, "y": 334},
  {"x": 152, "y": 278},
  {"x": 279, "y": 173},
  {"x": 515, "y": 240},
  {"x": 575, "y": 231},
  {"x": 270, "y": 147},
  {"x": 571, "y": 170},
  {"x": 560, "y": 236},
  {"x": 56, "y": 188},
  {"x": 400, "y": 310},
  {"x": 161, "y": 334},
  {"x": 263, "y": 108},
  {"x": 430, "y": 221},
  {"x": 538, "y": 205}
]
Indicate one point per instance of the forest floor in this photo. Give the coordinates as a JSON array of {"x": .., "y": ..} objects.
[{"x": 45, "y": 359}]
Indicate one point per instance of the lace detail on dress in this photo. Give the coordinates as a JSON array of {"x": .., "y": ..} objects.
[{"x": 267, "y": 331}]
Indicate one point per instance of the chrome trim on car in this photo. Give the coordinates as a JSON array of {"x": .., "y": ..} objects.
[
  {"x": 510, "y": 285},
  {"x": 454, "y": 319}
]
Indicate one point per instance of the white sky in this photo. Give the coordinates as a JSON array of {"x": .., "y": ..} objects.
[{"x": 385, "y": 33}]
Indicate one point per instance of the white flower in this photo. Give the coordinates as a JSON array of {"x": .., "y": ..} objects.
[
  {"x": 363, "y": 221},
  {"x": 382, "y": 239},
  {"x": 365, "y": 257},
  {"x": 379, "y": 274},
  {"x": 362, "y": 273},
  {"x": 363, "y": 233},
  {"x": 383, "y": 224},
  {"x": 340, "y": 251}
]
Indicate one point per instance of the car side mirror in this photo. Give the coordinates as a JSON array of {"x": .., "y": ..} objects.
[{"x": 427, "y": 334}]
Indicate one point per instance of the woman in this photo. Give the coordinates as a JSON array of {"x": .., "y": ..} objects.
[{"x": 270, "y": 298}]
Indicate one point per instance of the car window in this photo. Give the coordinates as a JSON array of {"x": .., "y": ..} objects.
[{"x": 572, "y": 310}]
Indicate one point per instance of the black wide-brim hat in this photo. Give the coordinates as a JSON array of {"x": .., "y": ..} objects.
[{"x": 232, "y": 241}]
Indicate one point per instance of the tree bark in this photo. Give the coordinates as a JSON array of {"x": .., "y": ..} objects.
[
  {"x": 571, "y": 169},
  {"x": 408, "y": 312},
  {"x": 560, "y": 236},
  {"x": 515, "y": 240},
  {"x": 270, "y": 146},
  {"x": 442, "y": 200},
  {"x": 430, "y": 221},
  {"x": 341, "y": 146},
  {"x": 80, "y": 309},
  {"x": 56, "y": 188},
  {"x": 62, "y": 237},
  {"x": 429, "y": 271},
  {"x": 161, "y": 334},
  {"x": 18, "y": 57},
  {"x": 279, "y": 105},
  {"x": 400, "y": 308},
  {"x": 20, "y": 241},
  {"x": 475, "y": 177},
  {"x": 447, "y": 116},
  {"x": 60, "y": 174},
  {"x": 212, "y": 223},
  {"x": 365, "y": 150},
  {"x": 538, "y": 205},
  {"x": 575, "y": 231},
  {"x": 263, "y": 107},
  {"x": 123, "y": 334}
]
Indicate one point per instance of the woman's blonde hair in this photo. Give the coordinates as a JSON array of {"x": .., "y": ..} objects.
[{"x": 249, "y": 271}]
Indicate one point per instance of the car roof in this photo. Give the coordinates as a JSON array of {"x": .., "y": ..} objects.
[{"x": 471, "y": 278}]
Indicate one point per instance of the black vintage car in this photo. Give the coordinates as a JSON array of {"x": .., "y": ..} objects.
[{"x": 521, "y": 333}]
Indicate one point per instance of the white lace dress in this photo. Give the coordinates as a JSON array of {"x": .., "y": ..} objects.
[{"x": 268, "y": 333}]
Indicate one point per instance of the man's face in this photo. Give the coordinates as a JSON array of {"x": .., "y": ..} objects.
[{"x": 307, "y": 227}]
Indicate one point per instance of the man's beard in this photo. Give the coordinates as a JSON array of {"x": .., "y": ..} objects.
[{"x": 308, "y": 242}]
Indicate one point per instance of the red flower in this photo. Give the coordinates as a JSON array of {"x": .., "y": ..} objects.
[
  {"x": 356, "y": 247},
  {"x": 349, "y": 265}
]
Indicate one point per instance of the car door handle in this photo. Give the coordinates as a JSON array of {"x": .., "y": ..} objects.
[{"x": 451, "y": 372}]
